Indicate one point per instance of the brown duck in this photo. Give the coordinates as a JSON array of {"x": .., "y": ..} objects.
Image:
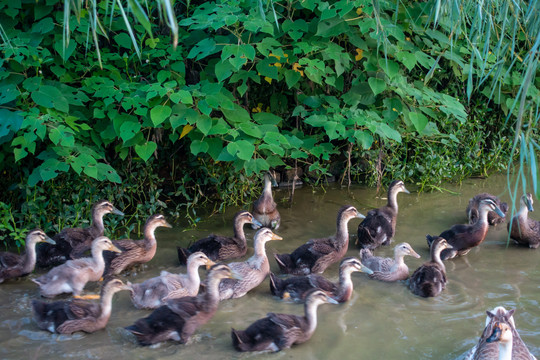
[
  {"x": 430, "y": 279},
  {"x": 388, "y": 269},
  {"x": 218, "y": 247},
  {"x": 473, "y": 212},
  {"x": 317, "y": 254},
  {"x": 523, "y": 230},
  {"x": 264, "y": 208}
]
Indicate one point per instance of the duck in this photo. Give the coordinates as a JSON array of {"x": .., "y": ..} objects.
[
  {"x": 67, "y": 317},
  {"x": 297, "y": 287},
  {"x": 73, "y": 243},
  {"x": 179, "y": 318},
  {"x": 317, "y": 254},
  {"x": 389, "y": 269},
  {"x": 135, "y": 251},
  {"x": 264, "y": 209},
  {"x": 219, "y": 248},
  {"x": 72, "y": 276},
  {"x": 379, "y": 226},
  {"x": 500, "y": 339},
  {"x": 154, "y": 292},
  {"x": 463, "y": 237},
  {"x": 13, "y": 266},
  {"x": 253, "y": 271},
  {"x": 429, "y": 280},
  {"x": 493, "y": 218},
  {"x": 523, "y": 230},
  {"x": 276, "y": 332}
]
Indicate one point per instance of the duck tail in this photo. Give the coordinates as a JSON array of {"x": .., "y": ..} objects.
[
  {"x": 141, "y": 331},
  {"x": 284, "y": 262},
  {"x": 183, "y": 255},
  {"x": 365, "y": 254},
  {"x": 239, "y": 340},
  {"x": 364, "y": 239},
  {"x": 276, "y": 284}
]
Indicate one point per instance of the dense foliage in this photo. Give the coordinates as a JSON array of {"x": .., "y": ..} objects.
[{"x": 365, "y": 90}]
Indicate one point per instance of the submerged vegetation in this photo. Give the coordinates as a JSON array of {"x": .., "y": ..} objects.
[{"x": 97, "y": 102}]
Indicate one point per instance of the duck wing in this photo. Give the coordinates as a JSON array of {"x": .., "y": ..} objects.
[{"x": 9, "y": 260}]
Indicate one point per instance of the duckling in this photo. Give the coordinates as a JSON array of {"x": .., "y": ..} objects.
[
  {"x": 500, "y": 327},
  {"x": 67, "y": 317},
  {"x": 72, "y": 276},
  {"x": 493, "y": 218},
  {"x": 317, "y": 254},
  {"x": 135, "y": 251},
  {"x": 523, "y": 230},
  {"x": 154, "y": 292},
  {"x": 180, "y": 318},
  {"x": 430, "y": 278},
  {"x": 276, "y": 332},
  {"x": 379, "y": 226},
  {"x": 388, "y": 269},
  {"x": 297, "y": 287},
  {"x": 464, "y": 237},
  {"x": 264, "y": 208},
  {"x": 72, "y": 243},
  {"x": 252, "y": 271},
  {"x": 218, "y": 247},
  {"x": 13, "y": 265}
]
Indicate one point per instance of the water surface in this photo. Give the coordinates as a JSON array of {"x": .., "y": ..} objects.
[{"x": 381, "y": 321}]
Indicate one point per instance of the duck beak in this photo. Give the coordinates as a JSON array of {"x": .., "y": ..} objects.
[
  {"x": 414, "y": 253},
  {"x": 114, "y": 248},
  {"x": 166, "y": 224},
  {"x": 499, "y": 212},
  {"x": 330, "y": 300},
  {"x": 529, "y": 205},
  {"x": 256, "y": 222},
  {"x": 49, "y": 240},
  {"x": 209, "y": 264},
  {"x": 235, "y": 275},
  {"x": 276, "y": 237},
  {"x": 117, "y": 212},
  {"x": 360, "y": 216},
  {"x": 405, "y": 190},
  {"x": 365, "y": 269}
]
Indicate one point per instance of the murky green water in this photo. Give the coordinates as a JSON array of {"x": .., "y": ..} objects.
[{"x": 382, "y": 321}]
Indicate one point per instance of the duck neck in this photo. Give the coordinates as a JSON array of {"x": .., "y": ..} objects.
[
  {"x": 211, "y": 295},
  {"x": 310, "y": 310},
  {"x": 259, "y": 259},
  {"x": 342, "y": 231},
  {"x": 505, "y": 350},
  {"x": 149, "y": 236},
  {"x": 267, "y": 190},
  {"x": 392, "y": 199},
  {"x": 97, "y": 256},
  {"x": 239, "y": 232},
  {"x": 523, "y": 213},
  {"x": 106, "y": 304},
  {"x": 345, "y": 286},
  {"x": 436, "y": 255},
  {"x": 193, "y": 274},
  {"x": 29, "y": 257},
  {"x": 97, "y": 222}
]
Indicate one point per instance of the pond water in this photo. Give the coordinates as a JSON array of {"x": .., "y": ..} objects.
[{"x": 381, "y": 321}]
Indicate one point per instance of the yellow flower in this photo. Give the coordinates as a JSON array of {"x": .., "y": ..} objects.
[
  {"x": 296, "y": 67},
  {"x": 359, "y": 54},
  {"x": 258, "y": 108},
  {"x": 359, "y": 11},
  {"x": 408, "y": 38}
]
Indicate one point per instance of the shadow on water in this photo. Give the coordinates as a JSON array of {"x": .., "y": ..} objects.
[{"x": 381, "y": 321}]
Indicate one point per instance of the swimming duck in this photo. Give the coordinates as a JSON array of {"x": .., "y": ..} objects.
[
  {"x": 317, "y": 254},
  {"x": 379, "y": 226},
  {"x": 72, "y": 276},
  {"x": 135, "y": 251},
  {"x": 297, "y": 287},
  {"x": 72, "y": 243},
  {"x": 153, "y": 292},
  {"x": 430, "y": 278},
  {"x": 525, "y": 231},
  {"x": 464, "y": 237},
  {"x": 14, "y": 265},
  {"x": 252, "y": 271},
  {"x": 500, "y": 339},
  {"x": 276, "y": 332},
  {"x": 179, "y": 318},
  {"x": 388, "y": 269},
  {"x": 264, "y": 208},
  {"x": 218, "y": 247},
  {"x": 493, "y": 218},
  {"x": 67, "y": 317}
]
